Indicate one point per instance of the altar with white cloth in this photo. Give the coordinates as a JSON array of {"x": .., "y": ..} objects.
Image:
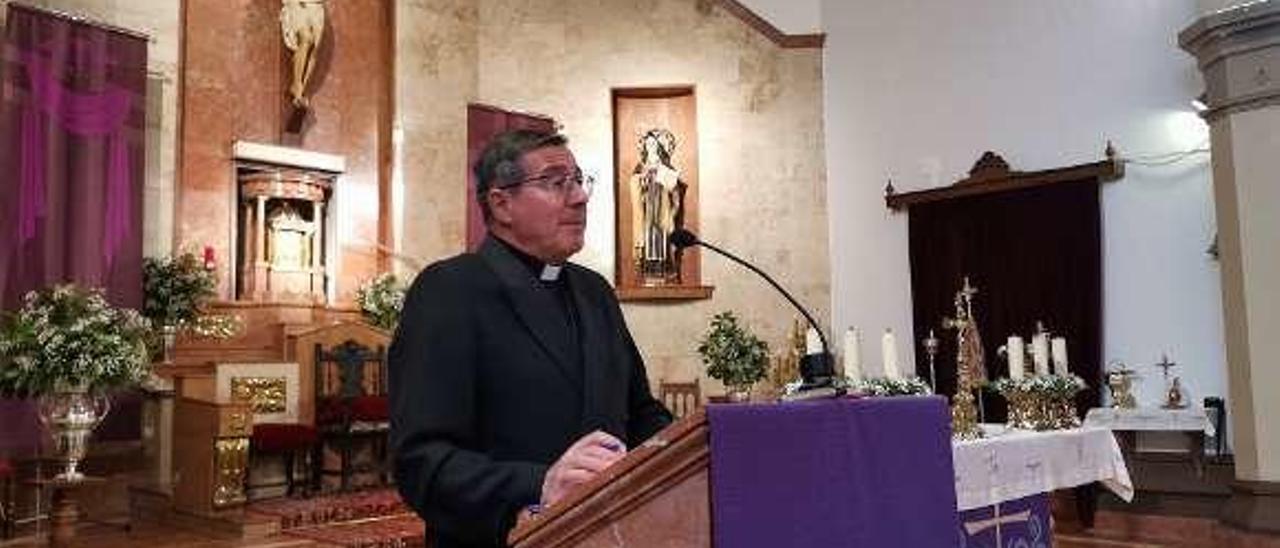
[
  {"x": 1126, "y": 423},
  {"x": 1003, "y": 480}
]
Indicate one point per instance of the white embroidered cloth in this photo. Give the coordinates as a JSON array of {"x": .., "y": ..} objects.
[
  {"x": 1150, "y": 418},
  {"x": 1011, "y": 464}
]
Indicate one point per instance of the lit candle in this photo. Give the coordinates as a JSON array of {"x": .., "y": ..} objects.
[
  {"x": 1060, "y": 356},
  {"x": 812, "y": 342},
  {"x": 1016, "y": 352},
  {"x": 889, "y": 351},
  {"x": 853, "y": 353},
  {"x": 1040, "y": 353}
]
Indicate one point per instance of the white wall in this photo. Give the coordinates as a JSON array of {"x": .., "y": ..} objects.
[
  {"x": 791, "y": 16},
  {"x": 916, "y": 90}
]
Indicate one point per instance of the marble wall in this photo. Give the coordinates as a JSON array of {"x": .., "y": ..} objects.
[
  {"x": 761, "y": 143},
  {"x": 235, "y": 78}
]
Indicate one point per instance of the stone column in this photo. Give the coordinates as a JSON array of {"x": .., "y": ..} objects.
[
  {"x": 1238, "y": 50},
  {"x": 260, "y": 284},
  {"x": 317, "y": 249}
]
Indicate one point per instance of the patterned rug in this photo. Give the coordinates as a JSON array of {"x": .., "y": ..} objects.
[
  {"x": 294, "y": 513},
  {"x": 401, "y": 531}
]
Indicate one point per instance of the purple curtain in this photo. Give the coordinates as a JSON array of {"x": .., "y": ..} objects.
[{"x": 71, "y": 155}]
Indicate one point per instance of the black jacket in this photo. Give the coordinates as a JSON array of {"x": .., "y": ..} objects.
[{"x": 485, "y": 397}]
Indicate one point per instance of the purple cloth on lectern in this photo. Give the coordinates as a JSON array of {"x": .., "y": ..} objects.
[
  {"x": 869, "y": 472},
  {"x": 1021, "y": 522}
]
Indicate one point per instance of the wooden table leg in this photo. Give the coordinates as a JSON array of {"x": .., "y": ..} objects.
[
  {"x": 1087, "y": 503},
  {"x": 1197, "y": 452},
  {"x": 63, "y": 517}
]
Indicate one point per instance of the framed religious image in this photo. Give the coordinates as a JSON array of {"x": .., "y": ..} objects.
[{"x": 655, "y": 141}]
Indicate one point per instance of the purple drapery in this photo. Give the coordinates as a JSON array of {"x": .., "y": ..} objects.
[{"x": 71, "y": 154}]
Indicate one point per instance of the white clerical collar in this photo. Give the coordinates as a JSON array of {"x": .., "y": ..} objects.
[{"x": 550, "y": 272}]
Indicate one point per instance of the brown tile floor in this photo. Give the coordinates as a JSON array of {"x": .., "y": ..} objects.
[{"x": 153, "y": 536}]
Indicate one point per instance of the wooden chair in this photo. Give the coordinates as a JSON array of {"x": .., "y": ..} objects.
[
  {"x": 352, "y": 407},
  {"x": 290, "y": 441},
  {"x": 280, "y": 436},
  {"x": 681, "y": 398}
]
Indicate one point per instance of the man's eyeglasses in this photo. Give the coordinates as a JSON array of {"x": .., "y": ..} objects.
[{"x": 561, "y": 184}]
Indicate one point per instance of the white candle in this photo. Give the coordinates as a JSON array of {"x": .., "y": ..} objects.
[
  {"x": 853, "y": 353},
  {"x": 889, "y": 351},
  {"x": 1060, "y": 356},
  {"x": 812, "y": 342},
  {"x": 1040, "y": 353},
  {"x": 1016, "y": 352}
]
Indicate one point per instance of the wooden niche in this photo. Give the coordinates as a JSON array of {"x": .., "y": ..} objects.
[{"x": 655, "y": 139}]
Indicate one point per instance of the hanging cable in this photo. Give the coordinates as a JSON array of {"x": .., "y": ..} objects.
[{"x": 1168, "y": 158}]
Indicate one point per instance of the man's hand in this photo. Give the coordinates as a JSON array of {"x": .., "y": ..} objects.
[{"x": 586, "y": 458}]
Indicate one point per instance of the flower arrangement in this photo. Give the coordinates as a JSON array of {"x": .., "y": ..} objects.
[
  {"x": 732, "y": 354},
  {"x": 884, "y": 386},
  {"x": 176, "y": 290},
  {"x": 381, "y": 299},
  {"x": 1042, "y": 402},
  {"x": 68, "y": 338},
  {"x": 1049, "y": 385}
]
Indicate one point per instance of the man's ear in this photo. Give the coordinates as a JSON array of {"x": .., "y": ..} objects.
[{"x": 500, "y": 206}]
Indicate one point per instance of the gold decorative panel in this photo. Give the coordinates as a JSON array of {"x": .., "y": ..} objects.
[
  {"x": 231, "y": 457},
  {"x": 264, "y": 394}
]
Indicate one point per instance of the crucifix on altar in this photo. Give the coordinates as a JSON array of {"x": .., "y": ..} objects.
[{"x": 1173, "y": 389}]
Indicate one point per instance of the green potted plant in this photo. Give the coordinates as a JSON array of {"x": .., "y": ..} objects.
[
  {"x": 67, "y": 347},
  {"x": 176, "y": 290},
  {"x": 733, "y": 355},
  {"x": 381, "y": 300}
]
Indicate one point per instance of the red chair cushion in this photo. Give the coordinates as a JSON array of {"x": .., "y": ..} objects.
[
  {"x": 6, "y": 468},
  {"x": 370, "y": 409},
  {"x": 280, "y": 437}
]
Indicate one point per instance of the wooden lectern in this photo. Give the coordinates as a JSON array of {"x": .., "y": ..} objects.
[
  {"x": 658, "y": 495},
  {"x": 831, "y": 472}
]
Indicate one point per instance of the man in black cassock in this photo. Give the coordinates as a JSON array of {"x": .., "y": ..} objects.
[{"x": 513, "y": 377}]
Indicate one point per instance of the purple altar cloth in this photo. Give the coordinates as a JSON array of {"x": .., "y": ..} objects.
[
  {"x": 867, "y": 472},
  {"x": 1021, "y": 522}
]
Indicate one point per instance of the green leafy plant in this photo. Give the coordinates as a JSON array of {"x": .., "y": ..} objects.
[
  {"x": 732, "y": 354},
  {"x": 68, "y": 337},
  {"x": 381, "y": 299},
  {"x": 175, "y": 289}
]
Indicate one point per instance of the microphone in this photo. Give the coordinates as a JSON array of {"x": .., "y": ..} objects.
[{"x": 817, "y": 371}]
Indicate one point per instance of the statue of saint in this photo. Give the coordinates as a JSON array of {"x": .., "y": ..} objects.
[
  {"x": 302, "y": 25},
  {"x": 657, "y": 198}
]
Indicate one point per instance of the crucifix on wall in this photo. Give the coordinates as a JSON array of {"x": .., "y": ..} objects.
[{"x": 302, "y": 28}]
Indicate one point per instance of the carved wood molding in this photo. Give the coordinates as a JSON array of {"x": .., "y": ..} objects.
[
  {"x": 791, "y": 41},
  {"x": 678, "y": 452},
  {"x": 991, "y": 173}
]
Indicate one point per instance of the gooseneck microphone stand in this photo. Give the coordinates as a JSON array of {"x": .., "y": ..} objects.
[{"x": 817, "y": 371}]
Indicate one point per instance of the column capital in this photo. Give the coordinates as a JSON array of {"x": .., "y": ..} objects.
[{"x": 1238, "y": 51}]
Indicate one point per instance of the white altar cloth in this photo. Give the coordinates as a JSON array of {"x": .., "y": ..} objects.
[
  {"x": 1150, "y": 419},
  {"x": 1011, "y": 464}
]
